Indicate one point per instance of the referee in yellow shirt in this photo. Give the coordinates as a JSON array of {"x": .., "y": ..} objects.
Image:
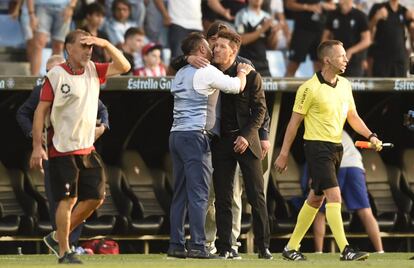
[{"x": 324, "y": 102}]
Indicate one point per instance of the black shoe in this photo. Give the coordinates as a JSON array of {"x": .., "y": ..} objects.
[
  {"x": 293, "y": 255},
  {"x": 350, "y": 254},
  {"x": 235, "y": 255},
  {"x": 69, "y": 258},
  {"x": 225, "y": 255},
  {"x": 177, "y": 253},
  {"x": 51, "y": 243},
  {"x": 412, "y": 258},
  {"x": 265, "y": 254},
  {"x": 201, "y": 254}
]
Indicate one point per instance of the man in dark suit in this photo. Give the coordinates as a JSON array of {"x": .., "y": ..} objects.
[{"x": 241, "y": 117}]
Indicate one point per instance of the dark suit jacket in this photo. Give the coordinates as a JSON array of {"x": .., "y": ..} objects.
[{"x": 251, "y": 110}]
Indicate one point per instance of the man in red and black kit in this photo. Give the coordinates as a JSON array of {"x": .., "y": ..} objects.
[{"x": 70, "y": 92}]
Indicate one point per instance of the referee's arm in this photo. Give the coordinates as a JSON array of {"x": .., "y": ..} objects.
[{"x": 290, "y": 135}]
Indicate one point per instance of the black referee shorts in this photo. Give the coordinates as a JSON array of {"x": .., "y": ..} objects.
[
  {"x": 81, "y": 176},
  {"x": 324, "y": 159}
]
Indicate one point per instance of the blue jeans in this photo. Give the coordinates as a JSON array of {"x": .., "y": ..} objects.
[{"x": 192, "y": 170}]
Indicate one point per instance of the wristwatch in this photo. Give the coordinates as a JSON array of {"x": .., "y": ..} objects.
[{"x": 372, "y": 135}]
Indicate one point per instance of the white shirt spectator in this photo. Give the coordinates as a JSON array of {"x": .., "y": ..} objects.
[{"x": 186, "y": 14}]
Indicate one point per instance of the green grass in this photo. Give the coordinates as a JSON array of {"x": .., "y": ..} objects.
[{"x": 388, "y": 260}]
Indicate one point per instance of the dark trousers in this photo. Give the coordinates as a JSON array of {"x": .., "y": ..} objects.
[
  {"x": 176, "y": 35},
  {"x": 76, "y": 233},
  {"x": 191, "y": 157},
  {"x": 224, "y": 164},
  {"x": 388, "y": 68}
]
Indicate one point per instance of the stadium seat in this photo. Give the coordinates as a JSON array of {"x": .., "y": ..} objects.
[
  {"x": 132, "y": 212},
  {"x": 277, "y": 63},
  {"x": 289, "y": 196},
  {"x": 407, "y": 181},
  {"x": 284, "y": 196},
  {"x": 35, "y": 187},
  {"x": 106, "y": 219},
  {"x": 140, "y": 185},
  {"x": 382, "y": 187},
  {"x": 17, "y": 209},
  {"x": 15, "y": 68}
]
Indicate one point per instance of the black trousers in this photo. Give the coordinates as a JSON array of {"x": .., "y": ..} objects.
[{"x": 224, "y": 164}]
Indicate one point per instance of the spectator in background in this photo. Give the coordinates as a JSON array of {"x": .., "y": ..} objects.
[
  {"x": 94, "y": 19},
  {"x": 182, "y": 18},
  {"x": 49, "y": 19},
  {"x": 258, "y": 32},
  {"x": 119, "y": 23},
  {"x": 350, "y": 26},
  {"x": 153, "y": 65},
  {"x": 20, "y": 12},
  {"x": 138, "y": 10},
  {"x": 223, "y": 10},
  {"x": 307, "y": 33},
  {"x": 277, "y": 9},
  {"x": 208, "y": 15},
  {"x": 351, "y": 180},
  {"x": 388, "y": 22},
  {"x": 132, "y": 47},
  {"x": 153, "y": 26}
]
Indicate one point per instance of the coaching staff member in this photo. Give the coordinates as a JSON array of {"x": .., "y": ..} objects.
[
  {"x": 71, "y": 93},
  {"x": 325, "y": 101},
  {"x": 241, "y": 117},
  {"x": 195, "y": 123}
]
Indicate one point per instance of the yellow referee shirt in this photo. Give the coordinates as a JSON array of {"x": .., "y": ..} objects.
[{"x": 325, "y": 107}]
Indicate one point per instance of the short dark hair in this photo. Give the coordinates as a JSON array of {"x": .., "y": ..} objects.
[
  {"x": 95, "y": 8},
  {"x": 326, "y": 46},
  {"x": 234, "y": 37},
  {"x": 215, "y": 27},
  {"x": 117, "y": 2},
  {"x": 133, "y": 31},
  {"x": 191, "y": 42},
  {"x": 73, "y": 35}
]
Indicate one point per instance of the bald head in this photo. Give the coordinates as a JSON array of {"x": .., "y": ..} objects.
[{"x": 53, "y": 61}]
